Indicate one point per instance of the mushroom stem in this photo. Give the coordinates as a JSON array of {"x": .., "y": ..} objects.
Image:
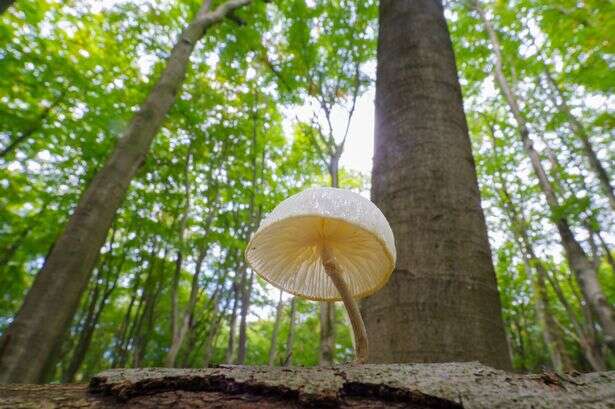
[{"x": 358, "y": 327}]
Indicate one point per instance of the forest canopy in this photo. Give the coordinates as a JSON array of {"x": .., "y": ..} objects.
[{"x": 265, "y": 109}]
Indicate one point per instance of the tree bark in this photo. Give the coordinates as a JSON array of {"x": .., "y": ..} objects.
[
  {"x": 442, "y": 302},
  {"x": 424, "y": 386},
  {"x": 273, "y": 348},
  {"x": 577, "y": 259},
  {"x": 36, "y": 329}
]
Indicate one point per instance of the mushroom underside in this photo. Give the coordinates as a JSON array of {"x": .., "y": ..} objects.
[{"x": 288, "y": 254}]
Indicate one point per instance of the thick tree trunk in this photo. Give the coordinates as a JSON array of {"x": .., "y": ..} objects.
[
  {"x": 273, "y": 348},
  {"x": 450, "y": 386},
  {"x": 288, "y": 361},
  {"x": 36, "y": 329},
  {"x": 578, "y": 260},
  {"x": 442, "y": 302}
]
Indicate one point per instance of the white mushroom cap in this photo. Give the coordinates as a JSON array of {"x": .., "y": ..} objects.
[{"x": 286, "y": 248}]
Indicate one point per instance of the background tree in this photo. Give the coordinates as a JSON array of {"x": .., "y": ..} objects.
[{"x": 77, "y": 72}]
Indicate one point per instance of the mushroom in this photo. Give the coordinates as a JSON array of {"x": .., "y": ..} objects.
[{"x": 326, "y": 244}]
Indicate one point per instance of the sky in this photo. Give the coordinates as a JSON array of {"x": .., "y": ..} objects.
[{"x": 360, "y": 143}]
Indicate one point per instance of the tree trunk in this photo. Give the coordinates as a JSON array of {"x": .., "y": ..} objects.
[
  {"x": 97, "y": 305},
  {"x": 36, "y": 329},
  {"x": 518, "y": 224},
  {"x": 123, "y": 336},
  {"x": 584, "y": 337},
  {"x": 327, "y": 308},
  {"x": 273, "y": 348},
  {"x": 442, "y": 302},
  {"x": 578, "y": 260},
  {"x": 230, "y": 349},
  {"x": 213, "y": 330},
  {"x": 179, "y": 321},
  {"x": 246, "y": 295},
  {"x": 288, "y": 361}
]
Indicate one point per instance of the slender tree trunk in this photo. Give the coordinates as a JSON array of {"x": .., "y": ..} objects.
[
  {"x": 179, "y": 321},
  {"x": 518, "y": 225},
  {"x": 87, "y": 332},
  {"x": 243, "y": 317},
  {"x": 441, "y": 303},
  {"x": 327, "y": 308},
  {"x": 143, "y": 336},
  {"x": 578, "y": 260},
  {"x": 36, "y": 329},
  {"x": 230, "y": 349},
  {"x": 579, "y": 130},
  {"x": 122, "y": 338},
  {"x": 288, "y": 361},
  {"x": 273, "y": 348},
  {"x": 213, "y": 330},
  {"x": 584, "y": 337},
  {"x": 184, "y": 323}
]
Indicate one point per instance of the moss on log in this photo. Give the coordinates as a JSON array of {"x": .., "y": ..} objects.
[{"x": 446, "y": 385}]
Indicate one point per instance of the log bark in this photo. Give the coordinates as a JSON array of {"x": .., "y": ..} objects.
[{"x": 446, "y": 385}]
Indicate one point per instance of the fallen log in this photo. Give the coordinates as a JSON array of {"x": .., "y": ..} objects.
[{"x": 446, "y": 385}]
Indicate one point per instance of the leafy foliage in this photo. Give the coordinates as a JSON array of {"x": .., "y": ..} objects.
[{"x": 75, "y": 72}]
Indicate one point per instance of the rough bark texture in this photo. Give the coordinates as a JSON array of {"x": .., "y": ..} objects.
[
  {"x": 452, "y": 385},
  {"x": 441, "y": 303},
  {"x": 28, "y": 343}
]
